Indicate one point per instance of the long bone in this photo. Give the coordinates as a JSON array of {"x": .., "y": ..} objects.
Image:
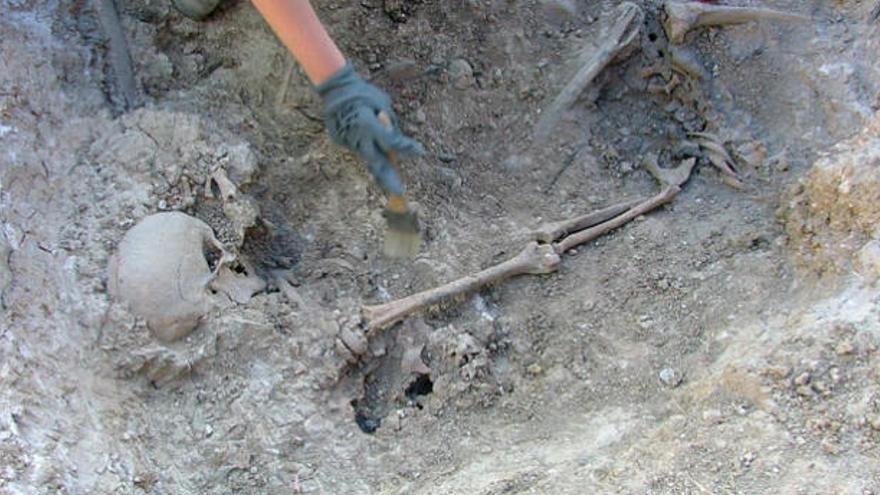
[
  {"x": 534, "y": 259},
  {"x": 619, "y": 37},
  {"x": 681, "y": 17},
  {"x": 553, "y": 231}
]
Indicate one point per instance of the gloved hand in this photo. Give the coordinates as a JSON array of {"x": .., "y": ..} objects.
[{"x": 351, "y": 109}]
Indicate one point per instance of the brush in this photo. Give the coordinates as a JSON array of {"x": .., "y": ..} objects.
[{"x": 402, "y": 238}]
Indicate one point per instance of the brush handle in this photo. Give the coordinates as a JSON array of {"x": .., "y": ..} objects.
[{"x": 397, "y": 204}]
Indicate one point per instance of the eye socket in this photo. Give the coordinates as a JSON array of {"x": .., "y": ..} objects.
[{"x": 212, "y": 254}]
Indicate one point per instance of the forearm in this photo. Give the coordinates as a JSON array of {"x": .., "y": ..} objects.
[{"x": 298, "y": 27}]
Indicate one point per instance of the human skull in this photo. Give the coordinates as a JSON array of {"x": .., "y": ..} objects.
[{"x": 163, "y": 268}]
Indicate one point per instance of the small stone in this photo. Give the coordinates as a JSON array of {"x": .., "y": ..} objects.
[
  {"x": 713, "y": 416},
  {"x": 867, "y": 260},
  {"x": 777, "y": 372},
  {"x": 845, "y": 348},
  {"x": 420, "y": 117},
  {"x": 875, "y": 422},
  {"x": 671, "y": 377},
  {"x": 830, "y": 446},
  {"x": 535, "y": 369},
  {"x": 821, "y": 388},
  {"x": 803, "y": 379},
  {"x": 402, "y": 70},
  {"x": 804, "y": 391},
  {"x": 559, "y": 9},
  {"x": 461, "y": 73},
  {"x": 445, "y": 157}
]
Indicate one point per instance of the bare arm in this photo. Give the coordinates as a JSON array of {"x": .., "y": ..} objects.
[{"x": 298, "y": 27}]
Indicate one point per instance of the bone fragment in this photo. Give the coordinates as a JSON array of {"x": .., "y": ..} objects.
[
  {"x": 671, "y": 176},
  {"x": 685, "y": 61},
  {"x": 552, "y": 231},
  {"x": 711, "y": 146},
  {"x": 228, "y": 190},
  {"x": 534, "y": 259},
  {"x": 681, "y": 17},
  {"x": 616, "y": 39}
]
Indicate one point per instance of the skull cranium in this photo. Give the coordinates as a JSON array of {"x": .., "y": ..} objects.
[{"x": 163, "y": 269}]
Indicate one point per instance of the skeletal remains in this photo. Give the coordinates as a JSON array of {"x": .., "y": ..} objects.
[
  {"x": 619, "y": 37},
  {"x": 681, "y": 17},
  {"x": 538, "y": 257},
  {"x": 168, "y": 268},
  {"x": 543, "y": 254}
]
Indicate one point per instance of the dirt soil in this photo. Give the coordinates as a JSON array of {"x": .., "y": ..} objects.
[{"x": 727, "y": 343}]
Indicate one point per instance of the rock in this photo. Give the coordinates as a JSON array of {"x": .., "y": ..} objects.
[
  {"x": 845, "y": 348},
  {"x": 242, "y": 163},
  {"x": 803, "y": 379},
  {"x": 713, "y": 416},
  {"x": 402, "y": 70},
  {"x": 671, "y": 377},
  {"x": 830, "y": 446},
  {"x": 242, "y": 213},
  {"x": 559, "y": 10},
  {"x": 461, "y": 74},
  {"x": 867, "y": 260},
  {"x": 835, "y": 210},
  {"x": 804, "y": 391}
]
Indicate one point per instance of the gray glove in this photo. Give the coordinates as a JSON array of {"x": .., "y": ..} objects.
[{"x": 351, "y": 107}]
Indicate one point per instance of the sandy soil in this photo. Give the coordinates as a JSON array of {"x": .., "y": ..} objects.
[{"x": 727, "y": 343}]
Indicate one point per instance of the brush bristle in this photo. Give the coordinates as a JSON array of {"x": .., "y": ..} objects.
[{"x": 401, "y": 244}]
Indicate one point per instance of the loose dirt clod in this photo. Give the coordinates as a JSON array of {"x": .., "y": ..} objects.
[{"x": 681, "y": 17}]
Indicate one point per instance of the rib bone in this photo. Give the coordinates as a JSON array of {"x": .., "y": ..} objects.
[
  {"x": 681, "y": 17},
  {"x": 534, "y": 259}
]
